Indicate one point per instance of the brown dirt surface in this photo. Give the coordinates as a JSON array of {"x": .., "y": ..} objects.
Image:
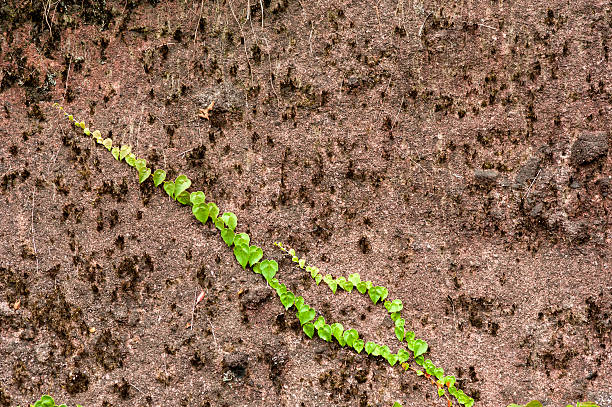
[{"x": 458, "y": 153}]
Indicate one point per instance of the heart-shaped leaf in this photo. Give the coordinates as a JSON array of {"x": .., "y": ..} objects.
[
  {"x": 325, "y": 333},
  {"x": 131, "y": 160},
  {"x": 140, "y": 163},
  {"x": 409, "y": 335},
  {"x": 182, "y": 198},
  {"x": 242, "y": 238},
  {"x": 375, "y": 294},
  {"x": 354, "y": 278},
  {"x": 361, "y": 287},
  {"x": 378, "y": 350},
  {"x": 282, "y": 289},
  {"x": 219, "y": 223},
  {"x": 115, "y": 152},
  {"x": 287, "y": 299},
  {"x": 274, "y": 284},
  {"x": 230, "y": 220},
  {"x": 306, "y": 315},
  {"x": 370, "y": 347},
  {"x": 302, "y": 263},
  {"x": 337, "y": 332},
  {"x": 419, "y": 360},
  {"x": 395, "y": 316},
  {"x": 358, "y": 345},
  {"x": 391, "y": 358},
  {"x": 438, "y": 372},
  {"x": 419, "y": 348},
  {"x": 169, "y": 188},
  {"x": 197, "y": 197},
  {"x": 201, "y": 213},
  {"x": 399, "y": 333},
  {"x": 181, "y": 183},
  {"x": 158, "y": 176},
  {"x": 268, "y": 267},
  {"x": 449, "y": 381},
  {"x": 319, "y": 322},
  {"x": 350, "y": 336},
  {"x": 329, "y": 280},
  {"x": 318, "y": 278},
  {"x": 394, "y": 306},
  {"x": 299, "y": 303},
  {"x": 213, "y": 210},
  {"x": 403, "y": 355},
  {"x": 143, "y": 175},
  {"x": 242, "y": 255},
  {"x": 309, "y": 329},
  {"x": 313, "y": 271},
  {"x": 125, "y": 150},
  {"x": 108, "y": 143},
  {"x": 346, "y": 285},
  {"x": 400, "y": 323},
  {"x": 255, "y": 254},
  {"x": 228, "y": 236}
]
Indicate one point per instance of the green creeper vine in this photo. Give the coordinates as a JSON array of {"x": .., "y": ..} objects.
[{"x": 311, "y": 320}]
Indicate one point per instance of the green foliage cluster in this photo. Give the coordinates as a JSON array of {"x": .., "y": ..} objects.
[
  {"x": 536, "y": 403},
  {"x": 47, "y": 401},
  {"x": 417, "y": 348},
  {"x": 250, "y": 256}
]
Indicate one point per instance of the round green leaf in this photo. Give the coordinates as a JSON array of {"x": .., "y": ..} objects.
[
  {"x": 108, "y": 143},
  {"x": 131, "y": 160}
]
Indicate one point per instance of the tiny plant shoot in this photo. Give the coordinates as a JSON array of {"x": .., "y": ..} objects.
[{"x": 251, "y": 256}]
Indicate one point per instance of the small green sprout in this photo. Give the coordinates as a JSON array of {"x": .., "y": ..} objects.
[
  {"x": 108, "y": 143},
  {"x": 115, "y": 151}
]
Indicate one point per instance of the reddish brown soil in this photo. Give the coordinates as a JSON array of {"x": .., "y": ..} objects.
[{"x": 457, "y": 153}]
